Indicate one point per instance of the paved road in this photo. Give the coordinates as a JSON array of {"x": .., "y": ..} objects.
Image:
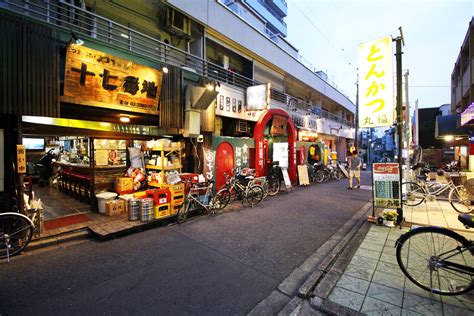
[{"x": 212, "y": 265}]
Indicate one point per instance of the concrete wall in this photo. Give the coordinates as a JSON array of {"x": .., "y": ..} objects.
[{"x": 221, "y": 18}]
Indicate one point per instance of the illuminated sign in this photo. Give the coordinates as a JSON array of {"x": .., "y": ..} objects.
[
  {"x": 94, "y": 78},
  {"x": 376, "y": 101},
  {"x": 231, "y": 103},
  {"x": 468, "y": 115},
  {"x": 258, "y": 97}
]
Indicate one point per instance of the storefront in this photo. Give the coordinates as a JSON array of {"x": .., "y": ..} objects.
[{"x": 275, "y": 134}]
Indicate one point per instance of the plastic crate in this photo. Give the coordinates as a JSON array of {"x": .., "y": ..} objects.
[
  {"x": 175, "y": 209},
  {"x": 162, "y": 211},
  {"x": 159, "y": 196}
]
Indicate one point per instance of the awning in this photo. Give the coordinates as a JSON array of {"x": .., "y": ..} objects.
[{"x": 449, "y": 125}]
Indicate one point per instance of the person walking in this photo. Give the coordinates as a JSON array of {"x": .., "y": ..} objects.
[
  {"x": 385, "y": 159},
  {"x": 354, "y": 169}
]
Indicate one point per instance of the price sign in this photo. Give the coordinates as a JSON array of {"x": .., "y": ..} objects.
[{"x": 386, "y": 185}]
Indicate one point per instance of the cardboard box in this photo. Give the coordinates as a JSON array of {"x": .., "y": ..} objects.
[
  {"x": 124, "y": 185},
  {"x": 114, "y": 207}
]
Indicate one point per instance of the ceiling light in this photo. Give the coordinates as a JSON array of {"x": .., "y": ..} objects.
[
  {"x": 165, "y": 70},
  {"x": 124, "y": 35},
  {"x": 125, "y": 119},
  {"x": 448, "y": 138}
]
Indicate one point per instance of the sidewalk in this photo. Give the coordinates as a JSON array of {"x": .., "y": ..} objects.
[{"x": 372, "y": 283}]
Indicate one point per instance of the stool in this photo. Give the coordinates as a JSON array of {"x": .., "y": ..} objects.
[{"x": 84, "y": 187}]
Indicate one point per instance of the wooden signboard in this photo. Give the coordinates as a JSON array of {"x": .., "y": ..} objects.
[
  {"x": 303, "y": 175},
  {"x": 94, "y": 78},
  {"x": 21, "y": 158},
  {"x": 286, "y": 179}
]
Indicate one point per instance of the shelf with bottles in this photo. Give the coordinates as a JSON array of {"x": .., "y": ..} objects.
[{"x": 110, "y": 152}]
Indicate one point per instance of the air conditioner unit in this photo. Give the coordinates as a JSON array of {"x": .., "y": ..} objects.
[
  {"x": 177, "y": 23},
  {"x": 242, "y": 126}
]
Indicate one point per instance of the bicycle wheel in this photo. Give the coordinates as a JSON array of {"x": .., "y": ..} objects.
[
  {"x": 183, "y": 212},
  {"x": 433, "y": 258},
  {"x": 319, "y": 176},
  {"x": 460, "y": 199},
  {"x": 254, "y": 195},
  {"x": 221, "y": 199},
  {"x": 15, "y": 232},
  {"x": 273, "y": 187},
  {"x": 412, "y": 193},
  {"x": 338, "y": 175}
]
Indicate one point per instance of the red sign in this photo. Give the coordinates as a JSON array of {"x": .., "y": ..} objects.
[{"x": 385, "y": 168}]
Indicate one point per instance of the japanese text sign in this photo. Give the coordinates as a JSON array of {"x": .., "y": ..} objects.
[
  {"x": 386, "y": 185},
  {"x": 97, "y": 79},
  {"x": 376, "y": 102}
]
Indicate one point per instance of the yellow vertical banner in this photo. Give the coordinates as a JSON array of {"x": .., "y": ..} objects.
[
  {"x": 376, "y": 102},
  {"x": 21, "y": 158}
]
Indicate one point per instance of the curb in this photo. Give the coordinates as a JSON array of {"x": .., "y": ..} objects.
[
  {"x": 54, "y": 240},
  {"x": 298, "y": 285}
]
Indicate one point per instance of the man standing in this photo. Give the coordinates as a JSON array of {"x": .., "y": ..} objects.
[{"x": 354, "y": 169}]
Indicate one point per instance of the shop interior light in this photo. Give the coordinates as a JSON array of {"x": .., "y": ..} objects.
[
  {"x": 125, "y": 119},
  {"x": 448, "y": 138},
  {"x": 165, "y": 70},
  {"x": 77, "y": 40}
]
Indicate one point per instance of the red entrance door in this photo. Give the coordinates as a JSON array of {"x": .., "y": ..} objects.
[{"x": 224, "y": 162}]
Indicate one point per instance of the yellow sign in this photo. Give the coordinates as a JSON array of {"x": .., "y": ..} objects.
[
  {"x": 21, "y": 158},
  {"x": 97, "y": 79},
  {"x": 376, "y": 101}
]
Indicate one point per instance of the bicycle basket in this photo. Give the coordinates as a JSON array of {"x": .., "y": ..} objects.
[{"x": 454, "y": 176}]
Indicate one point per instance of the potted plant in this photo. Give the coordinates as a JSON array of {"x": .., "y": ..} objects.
[{"x": 389, "y": 217}]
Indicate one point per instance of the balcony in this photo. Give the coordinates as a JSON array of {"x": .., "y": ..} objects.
[
  {"x": 275, "y": 22},
  {"x": 279, "y": 6},
  {"x": 95, "y": 28}
]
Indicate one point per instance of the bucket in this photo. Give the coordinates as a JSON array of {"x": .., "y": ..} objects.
[{"x": 104, "y": 197}]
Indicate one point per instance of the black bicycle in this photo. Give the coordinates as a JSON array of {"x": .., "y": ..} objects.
[{"x": 437, "y": 259}]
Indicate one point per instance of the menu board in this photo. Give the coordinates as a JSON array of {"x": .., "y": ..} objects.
[{"x": 386, "y": 185}]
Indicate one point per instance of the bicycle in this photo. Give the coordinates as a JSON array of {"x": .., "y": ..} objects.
[
  {"x": 209, "y": 202},
  {"x": 414, "y": 193},
  {"x": 437, "y": 259},
  {"x": 251, "y": 194},
  {"x": 16, "y": 230}
]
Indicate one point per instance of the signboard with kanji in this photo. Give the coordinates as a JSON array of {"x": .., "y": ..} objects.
[
  {"x": 376, "y": 99},
  {"x": 98, "y": 79},
  {"x": 386, "y": 185}
]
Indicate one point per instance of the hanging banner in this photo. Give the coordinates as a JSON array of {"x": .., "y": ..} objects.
[
  {"x": 208, "y": 168},
  {"x": 376, "y": 100},
  {"x": 94, "y": 78}
]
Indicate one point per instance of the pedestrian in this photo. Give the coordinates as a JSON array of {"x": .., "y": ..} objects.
[
  {"x": 385, "y": 159},
  {"x": 354, "y": 169}
]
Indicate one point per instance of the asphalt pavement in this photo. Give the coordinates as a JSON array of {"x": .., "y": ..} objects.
[{"x": 210, "y": 265}]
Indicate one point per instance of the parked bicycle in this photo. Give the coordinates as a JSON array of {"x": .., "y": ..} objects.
[
  {"x": 414, "y": 193},
  {"x": 317, "y": 173},
  {"x": 332, "y": 171},
  {"x": 251, "y": 193},
  {"x": 209, "y": 202},
  {"x": 437, "y": 259},
  {"x": 16, "y": 231}
]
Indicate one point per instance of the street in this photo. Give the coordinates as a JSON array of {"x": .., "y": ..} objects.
[{"x": 209, "y": 265}]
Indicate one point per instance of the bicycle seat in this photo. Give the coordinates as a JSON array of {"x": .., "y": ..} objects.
[
  {"x": 466, "y": 219},
  {"x": 249, "y": 177}
]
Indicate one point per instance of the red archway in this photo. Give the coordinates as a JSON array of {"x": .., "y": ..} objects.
[{"x": 258, "y": 135}]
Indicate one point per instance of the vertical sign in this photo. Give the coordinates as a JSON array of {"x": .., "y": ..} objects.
[
  {"x": 208, "y": 169},
  {"x": 280, "y": 154},
  {"x": 376, "y": 102},
  {"x": 21, "y": 158},
  {"x": 386, "y": 186}
]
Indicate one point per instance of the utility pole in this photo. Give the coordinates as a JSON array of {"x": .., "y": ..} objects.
[
  {"x": 407, "y": 126},
  {"x": 399, "y": 41}
]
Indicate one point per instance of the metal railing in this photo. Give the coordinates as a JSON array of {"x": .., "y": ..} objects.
[{"x": 86, "y": 24}]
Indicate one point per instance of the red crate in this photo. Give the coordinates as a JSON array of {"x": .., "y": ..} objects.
[{"x": 159, "y": 196}]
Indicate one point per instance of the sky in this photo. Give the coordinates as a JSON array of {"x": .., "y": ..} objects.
[{"x": 327, "y": 34}]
